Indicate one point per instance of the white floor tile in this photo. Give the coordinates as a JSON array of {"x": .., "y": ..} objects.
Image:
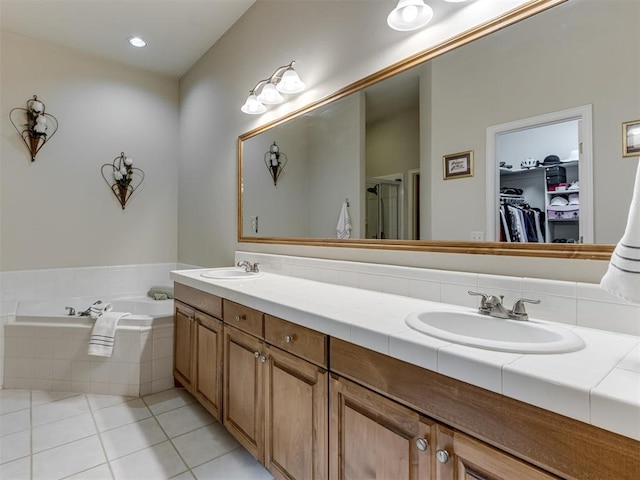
[
  {"x": 13, "y": 402},
  {"x": 168, "y": 400},
  {"x": 97, "y": 402},
  {"x": 68, "y": 430},
  {"x": 68, "y": 459},
  {"x": 121, "y": 414},
  {"x": 58, "y": 410},
  {"x": 159, "y": 462},
  {"x": 184, "y": 419},
  {"x": 40, "y": 397},
  {"x": 15, "y": 422},
  {"x": 237, "y": 465},
  {"x": 15, "y": 446},
  {"x": 184, "y": 476},
  {"x": 130, "y": 438},
  {"x": 17, "y": 470},
  {"x": 204, "y": 444},
  {"x": 101, "y": 472}
]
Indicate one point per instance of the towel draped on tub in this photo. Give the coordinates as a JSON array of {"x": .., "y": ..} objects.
[{"x": 104, "y": 333}]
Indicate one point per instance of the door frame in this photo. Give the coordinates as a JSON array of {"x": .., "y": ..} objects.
[{"x": 585, "y": 165}]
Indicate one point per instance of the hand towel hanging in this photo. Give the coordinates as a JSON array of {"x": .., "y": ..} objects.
[
  {"x": 622, "y": 278},
  {"x": 103, "y": 334},
  {"x": 343, "y": 229}
]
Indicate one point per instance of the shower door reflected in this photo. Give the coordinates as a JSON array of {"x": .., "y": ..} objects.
[{"x": 383, "y": 210}]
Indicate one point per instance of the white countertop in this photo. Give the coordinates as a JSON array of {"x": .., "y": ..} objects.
[{"x": 599, "y": 384}]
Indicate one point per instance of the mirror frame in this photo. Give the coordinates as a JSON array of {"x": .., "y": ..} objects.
[{"x": 548, "y": 250}]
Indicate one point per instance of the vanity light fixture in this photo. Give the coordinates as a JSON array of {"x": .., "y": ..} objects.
[
  {"x": 137, "y": 42},
  {"x": 275, "y": 161},
  {"x": 284, "y": 80},
  {"x": 412, "y": 15},
  {"x": 39, "y": 126}
]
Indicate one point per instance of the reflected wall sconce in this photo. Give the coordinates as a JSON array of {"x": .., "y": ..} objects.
[
  {"x": 275, "y": 161},
  {"x": 122, "y": 177},
  {"x": 39, "y": 127},
  {"x": 268, "y": 91},
  {"x": 412, "y": 15}
]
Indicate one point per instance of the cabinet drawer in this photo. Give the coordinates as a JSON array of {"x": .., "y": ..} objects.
[
  {"x": 300, "y": 341},
  {"x": 205, "y": 302},
  {"x": 244, "y": 318}
]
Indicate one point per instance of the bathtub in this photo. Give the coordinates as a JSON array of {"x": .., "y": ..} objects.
[
  {"x": 47, "y": 349},
  {"x": 144, "y": 311}
]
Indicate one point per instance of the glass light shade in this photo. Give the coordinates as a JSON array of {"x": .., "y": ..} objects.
[
  {"x": 270, "y": 95},
  {"x": 410, "y": 15},
  {"x": 253, "y": 106},
  {"x": 290, "y": 82},
  {"x": 137, "y": 42}
]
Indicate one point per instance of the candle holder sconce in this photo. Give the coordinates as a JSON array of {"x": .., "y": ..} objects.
[
  {"x": 275, "y": 161},
  {"x": 122, "y": 177},
  {"x": 40, "y": 126}
]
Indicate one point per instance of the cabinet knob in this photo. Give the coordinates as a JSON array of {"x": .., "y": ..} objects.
[
  {"x": 442, "y": 456},
  {"x": 288, "y": 339},
  {"x": 240, "y": 317},
  {"x": 422, "y": 444},
  {"x": 191, "y": 318},
  {"x": 256, "y": 354},
  {"x": 264, "y": 359}
]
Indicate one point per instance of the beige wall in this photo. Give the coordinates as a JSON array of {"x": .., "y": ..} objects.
[{"x": 58, "y": 211}]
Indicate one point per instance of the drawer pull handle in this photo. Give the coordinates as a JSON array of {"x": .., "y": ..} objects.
[
  {"x": 256, "y": 354},
  {"x": 264, "y": 359},
  {"x": 442, "y": 456},
  {"x": 240, "y": 317},
  {"x": 288, "y": 339},
  {"x": 422, "y": 444}
]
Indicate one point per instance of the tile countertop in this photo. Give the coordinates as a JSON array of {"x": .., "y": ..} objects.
[{"x": 599, "y": 384}]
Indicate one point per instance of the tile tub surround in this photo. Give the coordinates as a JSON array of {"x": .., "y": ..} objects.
[
  {"x": 55, "y": 435},
  {"x": 55, "y": 358},
  {"x": 572, "y": 303},
  {"x": 599, "y": 385}
]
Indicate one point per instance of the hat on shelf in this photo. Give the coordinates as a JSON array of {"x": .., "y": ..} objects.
[
  {"x": 573, "y": 156},
  {"x": 550, "y": 160},
  {"x": 559, "y": 201}
]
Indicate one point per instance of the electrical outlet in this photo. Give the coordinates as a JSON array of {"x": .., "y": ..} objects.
[
  {"x": 254, "y": 224},
  {"x": 477, "y": 236}
]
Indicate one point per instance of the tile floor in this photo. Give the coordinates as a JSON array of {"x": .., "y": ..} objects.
[{"x": 167, "y": 435}]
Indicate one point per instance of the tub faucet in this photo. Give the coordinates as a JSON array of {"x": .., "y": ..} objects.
[
  {"x": 72, "y": 311},
  {"x": 492, "y": 305},
  {"x": 248, "y": 267}
]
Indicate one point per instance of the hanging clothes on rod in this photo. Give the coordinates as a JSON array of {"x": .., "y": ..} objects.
[{"x": 520, "y": 223}]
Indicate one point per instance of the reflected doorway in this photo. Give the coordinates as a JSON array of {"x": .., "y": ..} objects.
[{"x": 383, "y": 216}]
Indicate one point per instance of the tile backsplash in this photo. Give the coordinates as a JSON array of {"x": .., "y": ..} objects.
[{"x": 571, "y": 303}]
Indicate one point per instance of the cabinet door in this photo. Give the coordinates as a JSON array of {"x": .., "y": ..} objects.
[
  {"x": 183, "y": 344},
  {"x": 372, "y": 437},
  {"x": 296, "y": 417},
  {"x": 463, "y": 458},
  {"x": 243, "y": 387},
  {"x": 208, "y": 364}
]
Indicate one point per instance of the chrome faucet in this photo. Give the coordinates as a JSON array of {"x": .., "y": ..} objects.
[
  {"x": 248, "y": 267},
  {"x": 492, "y": 305},
  {"x": 71, "y": 310}
]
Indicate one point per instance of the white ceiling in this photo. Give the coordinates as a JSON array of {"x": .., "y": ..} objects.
[{"x": 178, "y": 32}]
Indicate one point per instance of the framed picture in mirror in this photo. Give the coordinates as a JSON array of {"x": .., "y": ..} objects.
[
  {"x": 631, "y": 139},
  {"x": 458, "y": 165}
]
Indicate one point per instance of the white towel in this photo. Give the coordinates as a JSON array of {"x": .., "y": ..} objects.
[
  {"x": 98, "y": 309},
  {"x": 622, "y": 278},
  {"x": 343, "y": 229},
  {"x": 104, "y": 333}
]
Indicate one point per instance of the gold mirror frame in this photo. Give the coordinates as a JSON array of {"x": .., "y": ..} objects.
[{"x": 548, "y": 250}]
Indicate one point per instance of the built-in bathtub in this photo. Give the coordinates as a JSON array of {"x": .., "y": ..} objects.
[{"x": 46, "y": 348}]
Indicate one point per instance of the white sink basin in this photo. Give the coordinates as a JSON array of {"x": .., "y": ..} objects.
[
  {"x": 483, "y": 331},
  {"x": 230, "y": 273}
]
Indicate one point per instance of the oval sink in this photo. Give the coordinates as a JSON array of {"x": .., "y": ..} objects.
[
  {"x": 230, "y": 273},
  {"x": 483, "y": 331}
]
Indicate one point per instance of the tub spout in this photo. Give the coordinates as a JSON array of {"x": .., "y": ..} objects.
[{"x": 72, "y": 311}]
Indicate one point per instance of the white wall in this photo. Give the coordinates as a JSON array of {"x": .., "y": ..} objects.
[{"x": 58, "y": 211}]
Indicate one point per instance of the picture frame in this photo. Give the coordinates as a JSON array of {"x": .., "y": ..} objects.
[
  {"x": 631, "y": 139},
  {"x": 458, "y": 165}
]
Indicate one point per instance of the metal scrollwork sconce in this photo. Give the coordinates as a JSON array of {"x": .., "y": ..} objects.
[
  {"x": 122, "y": 177},
  {"x": 40, "y": 126},
  {"x": 275, "y": 161}
]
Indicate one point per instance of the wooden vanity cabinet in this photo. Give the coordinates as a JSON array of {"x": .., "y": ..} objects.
[
  {"x": 275, "y": 401},
  {"x": 198, "y": 344}
]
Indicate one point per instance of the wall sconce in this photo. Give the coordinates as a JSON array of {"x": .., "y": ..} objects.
[
  {"x": 40, "y": 126},
  {"x": 275, "y": 161},
  {"x": 412, "y": 14},
  {"x": 122, "y": 177},
  {"x": 284, "y": 80}
]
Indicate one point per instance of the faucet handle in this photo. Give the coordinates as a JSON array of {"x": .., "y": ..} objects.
[
  {"x": 518, "y": 311},
  {"x": 254, "y": 267},
  {"x": 484, "y": 306}
]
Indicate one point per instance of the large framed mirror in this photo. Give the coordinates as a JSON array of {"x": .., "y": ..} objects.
[{"x": 380, "y": 145}]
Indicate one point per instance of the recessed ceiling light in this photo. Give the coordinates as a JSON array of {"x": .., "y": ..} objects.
[{"x": 137, "y": 42}]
